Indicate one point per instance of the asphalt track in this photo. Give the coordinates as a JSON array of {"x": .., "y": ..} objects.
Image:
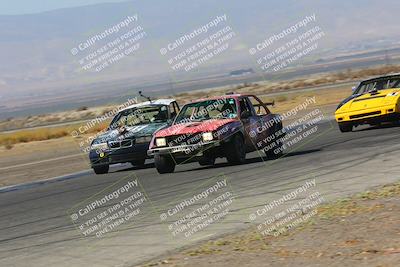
[{"x": 36, "y": 228}]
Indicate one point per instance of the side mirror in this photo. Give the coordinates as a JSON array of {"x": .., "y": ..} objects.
[{"x": 245, "y": 114}]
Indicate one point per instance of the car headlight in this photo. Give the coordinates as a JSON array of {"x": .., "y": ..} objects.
[
  {"x": 142, "y": 140},
  {"x": 99, "y": 146},
  {"x": 208, "y": 137},
  {"x": 161, "y": 142}
]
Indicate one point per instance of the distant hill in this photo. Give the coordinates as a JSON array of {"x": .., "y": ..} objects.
[{"x": 35, "y": 49}]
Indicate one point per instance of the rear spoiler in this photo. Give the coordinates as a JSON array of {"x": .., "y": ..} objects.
[
  {"x": 265, "y": 103},
  {"x": 270, "y": 103}
]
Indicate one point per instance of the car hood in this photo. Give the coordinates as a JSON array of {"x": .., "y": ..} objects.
[
  {"x": 194, "y": 127},
  {"x": 369, "y": 100},
  {"x": 131, "y": 132}
]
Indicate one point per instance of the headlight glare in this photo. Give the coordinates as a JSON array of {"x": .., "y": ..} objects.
[
  {"x": 161, "y": 142},
  {"x": 208, "y": 137}
]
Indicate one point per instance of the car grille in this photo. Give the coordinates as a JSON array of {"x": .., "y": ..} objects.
[
  {"x": 184, "y": 139},
  {"x": 365, "y": 115},
  {"x": 120, "y": 144}
]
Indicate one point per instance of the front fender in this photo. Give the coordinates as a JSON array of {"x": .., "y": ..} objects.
[{"x": 229, "y": 130}]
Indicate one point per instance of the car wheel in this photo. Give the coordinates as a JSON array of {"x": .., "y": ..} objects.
[
  {"x": 345, "y": 127},
  {"x": 139, "y": 162},
  {"x": 164, "y": 163},
  {"x": 206, "y": 161},
  {"x": 236, "y": 151},
  {"x": 101, "y": 169}
]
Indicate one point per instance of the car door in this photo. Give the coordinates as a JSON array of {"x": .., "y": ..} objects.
[
  {"x": 251, "y": 122},
  {"x": 268, "y": 121}
]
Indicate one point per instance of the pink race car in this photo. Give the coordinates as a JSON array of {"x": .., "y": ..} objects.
[{"x": 227, "y": 126}]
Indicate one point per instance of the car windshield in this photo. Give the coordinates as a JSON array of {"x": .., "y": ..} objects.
[
  {"x": 210, "y": 109},
  {"x": 380, "y": 84},
  {"x": 142, "y": 115}
]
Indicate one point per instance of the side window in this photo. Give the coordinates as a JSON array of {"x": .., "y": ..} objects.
[
  {"x": 245, "y": 106},
  {"x": 258, "y": 106},
  {"x": 176, "y": 107},
  {"x": 391, "y": 83},
  {"x": 394, "y": 83},
  {"x": 173, "y": 108}
]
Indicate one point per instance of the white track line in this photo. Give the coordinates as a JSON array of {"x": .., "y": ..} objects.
[{"x": 38, "y": 162}]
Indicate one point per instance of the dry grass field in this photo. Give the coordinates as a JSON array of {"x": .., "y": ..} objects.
[
  {"x": 358, "y": 231},
  {"x": 285, "y": 97}
]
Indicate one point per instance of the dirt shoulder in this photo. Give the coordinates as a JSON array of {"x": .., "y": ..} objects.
[
  {"x": 40, "y": 160},
  {"x": 358, "y": 231}
]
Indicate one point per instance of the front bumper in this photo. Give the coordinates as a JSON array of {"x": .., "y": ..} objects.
[
  {"x": 122, "y": 155},
  {"x": 371, "y": 115},
  {"x": 186, "y": 151}
]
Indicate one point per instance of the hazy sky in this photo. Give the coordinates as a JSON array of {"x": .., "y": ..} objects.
[{"x": 15, "y": 7}]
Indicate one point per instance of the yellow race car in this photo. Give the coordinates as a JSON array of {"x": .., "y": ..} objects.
[{"x": 373, "y": 102}]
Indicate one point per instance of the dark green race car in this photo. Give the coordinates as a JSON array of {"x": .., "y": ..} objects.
[{"x": 128, "y": 137}]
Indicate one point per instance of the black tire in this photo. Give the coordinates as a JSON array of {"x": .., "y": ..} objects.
[
  {"x": 102, "y": 169},
  {"x": 139, "y": 162},
  {"x": 235, "y": 150},
  {"x": 345, "y": 127},
  {"x": 207, "y": 161},
  {"x": 164, "y": 164}
]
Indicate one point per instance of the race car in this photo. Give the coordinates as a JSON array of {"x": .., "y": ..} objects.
[
  {"x": 373, "y": 102},
  {"x": 227, "y": 126},
  {"x": 128, "y": 137}
]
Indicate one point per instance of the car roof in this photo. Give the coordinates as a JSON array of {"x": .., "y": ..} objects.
[
  {"x": 230, "y": 95},
  {"x": 158, "y": 102},
  {"x": 393, "y": 75}
]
